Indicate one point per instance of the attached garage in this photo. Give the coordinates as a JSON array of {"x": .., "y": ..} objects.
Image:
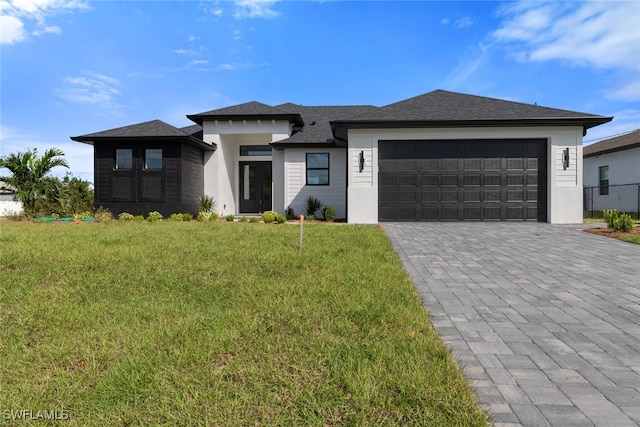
[{"x": 468, "y": 180}]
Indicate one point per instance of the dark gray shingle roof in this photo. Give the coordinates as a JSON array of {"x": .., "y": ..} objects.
[
  {"x": 154, "y": 129},
  {"x": 441, "y": 105},
  {"x": 248, "y": 110},
  {"x": 619, "y": 143},
  {"x": 317, "y": 128}
]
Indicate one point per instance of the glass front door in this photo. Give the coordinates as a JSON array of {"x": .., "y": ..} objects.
[{"x": 255, "y": 187}]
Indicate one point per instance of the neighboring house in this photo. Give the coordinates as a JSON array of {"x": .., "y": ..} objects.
[
  {"x": 441, "y": 156},
  {"x": 8, "y": 203},
  {"x": 612, "y": 173}
]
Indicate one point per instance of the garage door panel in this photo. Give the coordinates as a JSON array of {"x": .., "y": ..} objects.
[
  {"x": 449, "y": 165},
  {"x": 462, "y": 180},
  {"x": 450, "y": 212},
  {"x": 490, "y": 195},
  {"x": 449, "y": 195},
  {"x": 472, "y": 164},
  {"x": 491, "y": 212},
  {"x": 430, "y": 180},
  {"x": 472, "y": 195},
  {"x": 472, "y": 179},
  {"x": 408, "y": 196},
  {"x": 430, "y": 195},
  {"x": 449, "y": 180}
]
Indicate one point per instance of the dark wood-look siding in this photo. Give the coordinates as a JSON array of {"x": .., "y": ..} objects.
[
  {"x": 175, "y": 188},
  {"x": 192, "y": 177}
]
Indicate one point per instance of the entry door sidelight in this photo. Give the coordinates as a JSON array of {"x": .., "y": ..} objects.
[{"x": 255, "y": 187}]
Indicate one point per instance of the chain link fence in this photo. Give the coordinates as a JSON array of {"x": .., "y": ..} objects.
[{"x": 624, "y": 198}]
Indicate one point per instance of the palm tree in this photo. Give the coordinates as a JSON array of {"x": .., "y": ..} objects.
[{"x": 30, "y": 177}]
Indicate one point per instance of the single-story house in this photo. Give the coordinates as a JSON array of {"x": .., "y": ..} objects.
[
  {"x": 440, "y": 156},
  {"x": 9, "y": 204},
  {"x": 612, "y": 173}
]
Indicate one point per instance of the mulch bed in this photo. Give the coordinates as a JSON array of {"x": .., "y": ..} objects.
[{"x": 614, "y": 234}]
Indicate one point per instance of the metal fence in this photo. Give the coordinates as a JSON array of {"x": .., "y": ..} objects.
[{"x": 624, "y": 198}]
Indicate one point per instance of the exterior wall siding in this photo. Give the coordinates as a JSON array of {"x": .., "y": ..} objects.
[
  {"x": 138, "y": 191},
  {"x": 296, "y": 190}
]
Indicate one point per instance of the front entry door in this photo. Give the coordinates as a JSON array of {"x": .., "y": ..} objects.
[{"x": 255, "y": 187}]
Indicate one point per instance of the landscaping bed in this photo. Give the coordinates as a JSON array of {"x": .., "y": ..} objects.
[{"x": 632, "y": 237}]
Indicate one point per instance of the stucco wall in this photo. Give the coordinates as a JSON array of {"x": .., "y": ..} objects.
[
  {"x": 624, "y": 168},
  {"x": 221, "y": 172},
  {"x": 564, "y": 186}
]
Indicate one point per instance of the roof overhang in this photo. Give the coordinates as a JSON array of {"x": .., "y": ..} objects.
[
  {"x": 132, "y": 139},
  {"x": 611, "y": 150},
  {"x": 330, "y": 143},
  {"x": 341, "y": 127},
  {"x": 296, "y": 119}
]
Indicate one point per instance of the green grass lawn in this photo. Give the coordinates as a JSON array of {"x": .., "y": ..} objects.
[{"x": 219, "y": 324}]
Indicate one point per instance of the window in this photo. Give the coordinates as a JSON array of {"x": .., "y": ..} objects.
[
  {"x": 124, "y": 158},
  {"x": 153, "y": 158},
  {"x": 255, "y": 150},
  {"x": 317, "y": 168},
  {"x": 604, "y": 180}
]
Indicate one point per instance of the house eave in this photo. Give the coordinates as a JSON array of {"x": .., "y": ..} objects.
[
  {"x": 296, "y": 119},
  {"x": 132, "y": 139},
  {"x": 280, "y": 145},
  {"x": 340, "y": 127},
  {"x": 611, "y": 150}
]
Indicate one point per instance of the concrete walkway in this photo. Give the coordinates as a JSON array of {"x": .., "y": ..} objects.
[{"x": 545, "y": 319}]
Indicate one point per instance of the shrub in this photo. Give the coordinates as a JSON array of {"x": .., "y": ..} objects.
[
  {"x": 329, "y": 213},
  {"x": 138, "y": 218},
  {"x": 230, "y": 218},
  {"x": 310, "y": 217},
  {"x": 312, "y": 205},
  {"x": 203, "y": 216},
  {"x": 214, "y": 216},
  {"x": 269, "y": 217},
  {"x": 206, "y": 203},
  {"x": 187, "y": 216},
  {"x": 618, "y": 221},
  {"x": 154, "y": 216},
  {"x": 254, "y": 219},
  {"x": 125, "y": 216},
  {"x": 281, "y": 219},
  {"x": 290, "y": 213},
  {"x": 175, "y": 217},
  {"x": 623, "y": 222},
  {"x": 243, "y": 219},
  {"x": 103, "y": 214}
]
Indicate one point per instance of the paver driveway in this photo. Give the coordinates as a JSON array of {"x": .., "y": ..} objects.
[{"x": 545, "y": 319}]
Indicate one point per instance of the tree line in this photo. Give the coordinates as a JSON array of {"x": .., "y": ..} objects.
[{"x": 40, "y": 192}]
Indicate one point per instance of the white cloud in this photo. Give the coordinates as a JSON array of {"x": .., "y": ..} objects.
[
  {"x": 255, "y": 9},
  {"x": 91, "y": 89},
  {"x": 22, "y": 17},
  {"x": 603, "y": 35},
  {"x": 12, "y": 30}
]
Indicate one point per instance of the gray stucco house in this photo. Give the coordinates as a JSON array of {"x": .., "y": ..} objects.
[
  {"x": 440, "y": 156},
  {"x": 612, "y": 173}
]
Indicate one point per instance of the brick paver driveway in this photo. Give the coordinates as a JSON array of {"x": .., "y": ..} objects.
[{"x": 545, "y": 319}]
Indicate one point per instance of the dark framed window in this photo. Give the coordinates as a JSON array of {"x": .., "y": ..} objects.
[
  {"x": 317, "y": 168},
  {"x": 153, "y": 158},
  {"x": 255, "y": 150},
  {"x": 603, "y": 171},
  {"x": 124, "y": 158}
]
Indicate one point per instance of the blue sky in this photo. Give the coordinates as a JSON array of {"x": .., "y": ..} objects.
[{"x": 71, "y": 67}]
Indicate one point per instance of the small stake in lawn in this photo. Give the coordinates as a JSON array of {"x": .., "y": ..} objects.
[{"x": 301, "y": 227}]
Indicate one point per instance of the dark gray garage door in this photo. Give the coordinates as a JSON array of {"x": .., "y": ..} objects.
[{"x": 476, "y": 180}]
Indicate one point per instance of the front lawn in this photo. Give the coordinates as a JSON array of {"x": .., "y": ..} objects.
[{"x": 218, "y": 324}]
